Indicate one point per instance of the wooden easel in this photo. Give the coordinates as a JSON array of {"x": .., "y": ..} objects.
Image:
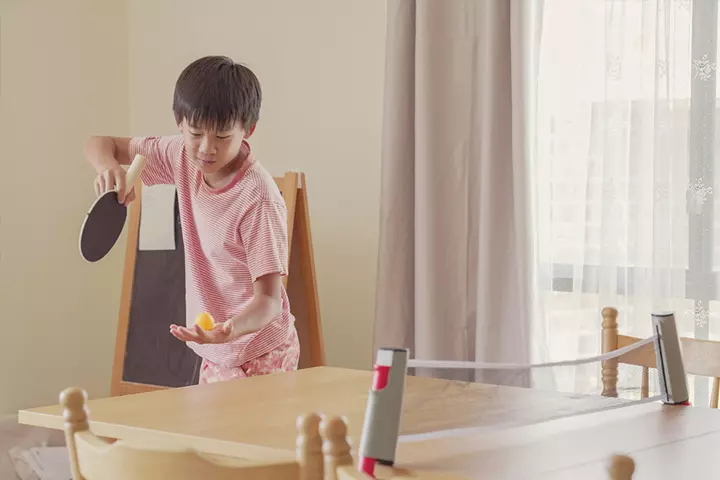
[{"x": 300, "y": 283}]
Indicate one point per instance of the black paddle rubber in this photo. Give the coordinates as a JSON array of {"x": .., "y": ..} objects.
[{"x": 102, "y": 227}]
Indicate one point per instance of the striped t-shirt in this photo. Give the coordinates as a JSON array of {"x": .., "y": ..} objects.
[{"x": 232, "y": 236}]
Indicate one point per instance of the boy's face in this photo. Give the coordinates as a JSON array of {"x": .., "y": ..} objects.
[{"x": 212, "y": 151}]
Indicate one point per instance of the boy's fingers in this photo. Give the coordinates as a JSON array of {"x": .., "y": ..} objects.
[
  {"x": 180, "y": 335},
  {"x": 129, "y": 197},
  {"x": 108, "y": 181},
  {"x": 120, "y": 182},
  {"x": 100, "y": 185},
  {"x": 196, "y": 334},
  {"x": 183, "y": 334},
  {"x": 212, "y": 336},
  {"x": 179, "y": 332},
  {"x": 218, "y": 334},
  {"x": 217, "y": 328}
]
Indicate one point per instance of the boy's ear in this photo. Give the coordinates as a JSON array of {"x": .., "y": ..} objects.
[{"x": 252, "y": 130}]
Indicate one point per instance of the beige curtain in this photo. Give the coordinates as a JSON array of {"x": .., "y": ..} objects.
[{"x": 455, "y": 252}]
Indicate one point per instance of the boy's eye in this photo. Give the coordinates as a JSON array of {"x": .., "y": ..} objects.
[{"x": 223, "y": 137}]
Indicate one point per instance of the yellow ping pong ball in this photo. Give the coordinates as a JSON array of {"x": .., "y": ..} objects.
[{"x": 205, "y": 321}]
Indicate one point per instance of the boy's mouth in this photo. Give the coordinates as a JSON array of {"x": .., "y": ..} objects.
[{"x": 206, "y": 162}]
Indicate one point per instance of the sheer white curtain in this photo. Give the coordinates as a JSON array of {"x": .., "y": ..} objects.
[{"x": 625, "y": 209}]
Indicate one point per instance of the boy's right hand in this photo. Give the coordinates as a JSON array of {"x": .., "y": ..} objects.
[{"x": 113, "y": 178}]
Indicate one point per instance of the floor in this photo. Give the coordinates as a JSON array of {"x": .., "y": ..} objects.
[{"x": 16, "y": 436}]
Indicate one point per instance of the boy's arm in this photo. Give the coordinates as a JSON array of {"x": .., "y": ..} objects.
[
  {"x": 106, "y": 155},
  {"x": 265, "y": 306},
  {"x": 107, "y": 152},
  {"x": 263, "y": 230}
]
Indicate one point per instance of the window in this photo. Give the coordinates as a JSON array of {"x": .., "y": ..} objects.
[{"x": 627, "y": 135}]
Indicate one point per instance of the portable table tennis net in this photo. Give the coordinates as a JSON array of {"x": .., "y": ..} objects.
[{"x": 645, "y": 370}]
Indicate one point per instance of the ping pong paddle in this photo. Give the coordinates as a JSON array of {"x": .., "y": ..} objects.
[{"x": 105, "y": 220}]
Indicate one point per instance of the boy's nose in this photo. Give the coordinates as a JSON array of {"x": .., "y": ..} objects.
[{"x": 207, "y": 146}]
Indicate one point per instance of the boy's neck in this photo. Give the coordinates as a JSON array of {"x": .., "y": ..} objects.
[{"x": 225, "y": 175}]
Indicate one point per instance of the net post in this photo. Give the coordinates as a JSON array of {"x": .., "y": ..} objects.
[
  {"x": 381, "y": 427},
  {"x": 670, "y": 366}
]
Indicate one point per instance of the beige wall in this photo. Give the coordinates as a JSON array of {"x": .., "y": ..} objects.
[
  {"x": 64, "y": 75},
  {"x": 321, "y": 64}
]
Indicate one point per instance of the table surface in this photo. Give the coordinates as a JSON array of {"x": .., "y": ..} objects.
[{"x": 525, "y": 433}]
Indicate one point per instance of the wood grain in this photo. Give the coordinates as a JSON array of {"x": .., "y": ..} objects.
[
  {"x": 579, "y": 446},
  {"x": 231, "y": 411},
  {"x": 515, "y": 442}
]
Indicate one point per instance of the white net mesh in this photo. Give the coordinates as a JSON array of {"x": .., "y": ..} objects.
[
  {"x": 617, "y": 379},
  {"x": 628, "y": 372}
]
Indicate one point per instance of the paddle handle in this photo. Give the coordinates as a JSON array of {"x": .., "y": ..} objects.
[{"x": 134, "y": 171}]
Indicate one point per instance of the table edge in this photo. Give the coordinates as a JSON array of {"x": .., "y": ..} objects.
[{"x": 141, "y": 435}]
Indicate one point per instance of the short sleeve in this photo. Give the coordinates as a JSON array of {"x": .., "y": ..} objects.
[
  {"x": 161, "y": 154},
  {"x": 263, "y": 231}
]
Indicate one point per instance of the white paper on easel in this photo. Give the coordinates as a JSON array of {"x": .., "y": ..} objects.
[{"x": 157, "y": 218}]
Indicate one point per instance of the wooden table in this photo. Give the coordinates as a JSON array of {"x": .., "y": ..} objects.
[{"x": 255, "y": 418}]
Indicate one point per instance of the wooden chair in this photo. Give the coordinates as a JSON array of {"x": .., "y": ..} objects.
[
  {"x": 323, "y": 453},
  {"x": 701, "y": 357}
]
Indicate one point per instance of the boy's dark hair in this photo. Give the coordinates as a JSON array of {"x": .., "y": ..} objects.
[{"x": 215, "y": 92}]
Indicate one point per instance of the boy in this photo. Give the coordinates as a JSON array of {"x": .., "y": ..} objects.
[{"x": 234, "y": 220}]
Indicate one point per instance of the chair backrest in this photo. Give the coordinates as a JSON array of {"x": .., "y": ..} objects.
[
  {"x": 323, "y": 453},
  {"x": 322, "y": 446},
  {"x": 700, "y": 357}
]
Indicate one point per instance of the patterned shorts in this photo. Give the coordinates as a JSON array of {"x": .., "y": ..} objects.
[{"x": 283, "y": 359}]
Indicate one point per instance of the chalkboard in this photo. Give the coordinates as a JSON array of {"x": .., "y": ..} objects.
[
  {"x": 147, "y": 356},
  {"x": 158, "y": 300}
]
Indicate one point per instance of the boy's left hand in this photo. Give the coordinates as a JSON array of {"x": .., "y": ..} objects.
[{"x": 220, "y": 333}]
